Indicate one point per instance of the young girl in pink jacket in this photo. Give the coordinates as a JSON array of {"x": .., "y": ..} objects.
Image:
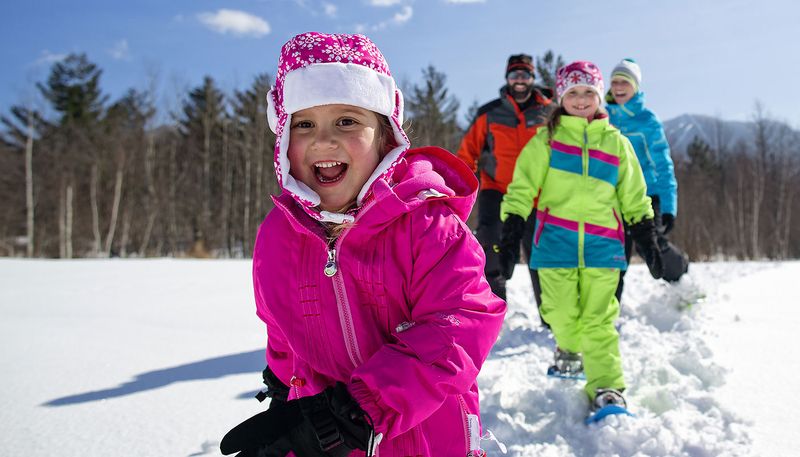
[{"x": 370, "y": 283}]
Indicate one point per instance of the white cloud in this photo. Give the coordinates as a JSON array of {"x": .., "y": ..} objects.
[
  {"x": 238, "y": 23},
  {"x": 384, "y": 2},
  {"x": 399, "y": 18},
  {"x": 46, "y": 58},
  {"x": 403, "y": 16},
  {"x": 120, "y": 50},
  {"x": 329, "y": 9}
]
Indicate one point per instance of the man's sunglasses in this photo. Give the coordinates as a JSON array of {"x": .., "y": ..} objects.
[{"x": 519, "y": 74}]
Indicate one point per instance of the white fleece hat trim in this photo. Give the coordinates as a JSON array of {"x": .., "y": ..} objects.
[{"x": 329, "y": 84}]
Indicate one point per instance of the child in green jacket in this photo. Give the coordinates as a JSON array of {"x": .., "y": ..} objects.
[{"x": 583, "y": 176}]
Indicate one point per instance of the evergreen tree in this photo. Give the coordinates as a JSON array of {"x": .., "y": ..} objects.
[
  {"x": 472, "y": 112},
  {"x": 546, "y": 67},
  {"x": 256, "y": 144},
  {"x": 202, "y": 125},
  {"x": 701, "y": 156},
  {"x": 73, "y": 88},
  {"x": 17, "y": 126},
  {"x": 433, "y": 112}
]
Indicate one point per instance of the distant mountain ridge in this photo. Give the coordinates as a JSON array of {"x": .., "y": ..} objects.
[{"x": 682, "y": 130}]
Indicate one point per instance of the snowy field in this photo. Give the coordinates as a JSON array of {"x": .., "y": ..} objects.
[{"x": 161, "y": 357}]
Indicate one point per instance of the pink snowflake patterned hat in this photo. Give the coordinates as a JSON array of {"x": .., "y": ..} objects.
[
  {"x": 579, "y": 73},
  {"x": 323, "y": 69}
]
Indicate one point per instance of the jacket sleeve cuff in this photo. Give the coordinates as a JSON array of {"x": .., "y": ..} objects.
[{"x": 366, "y": 400}]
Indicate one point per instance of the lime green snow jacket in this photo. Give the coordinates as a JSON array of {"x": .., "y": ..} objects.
[{"x": 581, "y": 183}]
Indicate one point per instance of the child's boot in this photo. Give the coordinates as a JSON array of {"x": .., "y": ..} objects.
[{"x": 606, "y": 397}]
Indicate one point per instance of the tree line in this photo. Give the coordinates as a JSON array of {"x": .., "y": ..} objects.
[
  {"x": 92, "y": 177},
  {"x": 738, "y": 199},
  {"x": 98, "y": 178}
]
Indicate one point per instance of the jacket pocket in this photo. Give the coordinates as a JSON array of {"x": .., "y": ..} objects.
[{"x": 429, "y": 342}]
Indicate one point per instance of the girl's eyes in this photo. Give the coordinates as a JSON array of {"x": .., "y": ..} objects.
[
  {"x": 343, "y": 122},
  {"x": 346, "y": 122},
  {"x": 303, "y": 124},
  {"x": 576, "y": 94}
]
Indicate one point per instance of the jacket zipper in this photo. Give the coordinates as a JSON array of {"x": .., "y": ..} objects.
[
  {"x": 464, "y": 417},
  {"x": 585, "y": 174},
  {"x": 343, "y": 304},
  {"x": 332, "y": 271}
]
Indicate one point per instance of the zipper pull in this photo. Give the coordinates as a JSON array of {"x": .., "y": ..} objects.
[{"x": 330, "y": 266}]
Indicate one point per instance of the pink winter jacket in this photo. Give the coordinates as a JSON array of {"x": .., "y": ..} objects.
[{"x": 407, "y": 319}]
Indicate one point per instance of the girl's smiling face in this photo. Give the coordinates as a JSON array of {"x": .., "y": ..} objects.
[
  {"x": 581, "y": 101},
  {"x": 333, "y": 149}
]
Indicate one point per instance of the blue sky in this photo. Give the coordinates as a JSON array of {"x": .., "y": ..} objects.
[{"x": 705, "y": 57}]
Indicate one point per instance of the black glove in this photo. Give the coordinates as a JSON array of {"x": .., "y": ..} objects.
[
  {"x": 645, "y": 237},
  {"x": 264, "y": 434},
  {"x": 667, "y": 222},
  {"x": 508, "y": 249},
  {"x": 329, "y": 424}
]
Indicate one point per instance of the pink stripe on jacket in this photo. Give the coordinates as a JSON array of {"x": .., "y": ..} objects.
[{"x": 406, "y": 321}]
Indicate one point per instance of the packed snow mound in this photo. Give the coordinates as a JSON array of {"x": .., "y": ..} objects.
[{"x": 670, "y": 372}]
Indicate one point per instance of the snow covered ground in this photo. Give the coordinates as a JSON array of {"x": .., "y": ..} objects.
[{"x": 161, "y": 357}]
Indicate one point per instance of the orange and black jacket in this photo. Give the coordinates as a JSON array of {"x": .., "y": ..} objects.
[{"x": 498, "y": 134}]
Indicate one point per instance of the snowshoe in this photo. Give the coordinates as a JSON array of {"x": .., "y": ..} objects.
[
  {"x": 607, "y": 402},
  {"x": 566, "y": 365}
]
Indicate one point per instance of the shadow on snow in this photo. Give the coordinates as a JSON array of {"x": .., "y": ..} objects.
[{"x": 245, "y": 362}]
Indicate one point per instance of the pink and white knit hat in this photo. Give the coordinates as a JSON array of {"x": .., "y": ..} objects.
[
  {"x": 323, "y": 69},
  {"x": 579, "y": 73}
]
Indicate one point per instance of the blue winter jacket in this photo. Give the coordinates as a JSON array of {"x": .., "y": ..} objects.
[{"x": 646, "y": 133}]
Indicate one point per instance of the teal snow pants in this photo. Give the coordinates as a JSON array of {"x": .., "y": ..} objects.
[{"x": 580, "y": 306}]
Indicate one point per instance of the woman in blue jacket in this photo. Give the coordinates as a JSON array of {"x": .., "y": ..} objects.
[{"x": 644, "y": 130}]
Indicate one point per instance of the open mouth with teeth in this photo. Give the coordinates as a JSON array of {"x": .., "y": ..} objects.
[{"x": 330, "y": 171}]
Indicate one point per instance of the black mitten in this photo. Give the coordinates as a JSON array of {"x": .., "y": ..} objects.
[
  {"x": 508, "y": 250},
  {"x": 645, "y": 237}
]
